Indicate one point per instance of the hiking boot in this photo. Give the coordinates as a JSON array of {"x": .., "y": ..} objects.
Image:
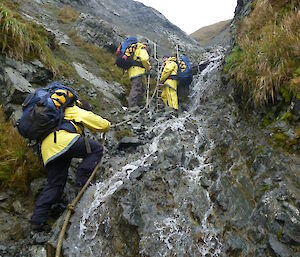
[
  {"x": 40, "y": 227},
  {"x": 57, "y": 210}
]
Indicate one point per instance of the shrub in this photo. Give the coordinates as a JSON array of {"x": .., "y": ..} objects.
[
  {"x": 18, "y": 164},
  {"x": 268, "y": 53}
]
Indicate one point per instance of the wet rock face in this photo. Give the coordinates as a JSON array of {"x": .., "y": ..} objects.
[
  {"x": 204, "y": 184},
  {"x": 243, "y": 8}
]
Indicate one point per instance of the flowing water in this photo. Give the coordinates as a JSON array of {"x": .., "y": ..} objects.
[{"x": 182, "y": 229}]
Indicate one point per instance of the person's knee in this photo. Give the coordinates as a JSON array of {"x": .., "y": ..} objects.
[{"x": 97, "y": 149}]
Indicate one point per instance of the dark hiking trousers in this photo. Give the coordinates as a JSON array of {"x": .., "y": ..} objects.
[
  {"x": 137, "y": 91},
  {"x": 57, "y": 173}
]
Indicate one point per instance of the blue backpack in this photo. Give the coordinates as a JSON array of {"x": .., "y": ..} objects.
[
  {"x": 185, "y": 77},
  {"x": 123, "y": 61},
  {"x": 43, "y": 111},
  {"x": 127, "y": 42}
]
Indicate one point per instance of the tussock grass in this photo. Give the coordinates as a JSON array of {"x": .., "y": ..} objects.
[
  {"x": 68, "y": 15},
  {"x": 24, "y": 40},
  {"x": 18, "y": 164},
  {"x": 267, "y": 57}
]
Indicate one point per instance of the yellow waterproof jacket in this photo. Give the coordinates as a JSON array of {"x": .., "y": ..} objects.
[
  {"x": 170, "y": 68},
  {"x": 140, "y": 55},
  {"x": 65, "y": 139}
]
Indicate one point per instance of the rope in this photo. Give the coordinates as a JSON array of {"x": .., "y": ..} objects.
[{"x": 71, "y": 207}]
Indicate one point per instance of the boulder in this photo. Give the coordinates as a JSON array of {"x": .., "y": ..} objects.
[
  {"x": 97, "y": 31},
  {"x": 16, "y": 86},
  {"x": 127, "y": 142},
  {"x": 37, "y": 185},
  {"x": 279, "y": 249},
  {"x": 34, "y": 72}
]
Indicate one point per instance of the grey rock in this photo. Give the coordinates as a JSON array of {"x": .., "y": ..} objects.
[
  {"x": 295, "y": 107},
  {"x": 98, "y": 31},
  {"x": 279, "y": 248},
  {"x": 38, "y": 64},
  {"x": 37, "y": 251},
  {"x": 18, "y": 208},
  {"x": 37, "y": 185},
  {"x": 3, "y": 248},
  {"x": 127, "y": 142},
  {"x": 3, "y": 196},
  {"x": 108, "y": 90},
  {"x": 291, "y": 229},
  {"x": 152, "y": 24},
  {"x": 34, "y": 72},
  {"x": 17, "y": 86},
  {"x": 41, "y": 237},
  {"x": 235, "y": 244},
  {"x": 205, "y": 182},
  {"x": 137, "y": 173},
  {"x": 23, "y": 68}
]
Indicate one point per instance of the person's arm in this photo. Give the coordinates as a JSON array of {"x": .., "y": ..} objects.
[
  {"x": 144, "y": 56},
  {"x": 88, "y": 119},
  {"x": 168, "y": 69}
]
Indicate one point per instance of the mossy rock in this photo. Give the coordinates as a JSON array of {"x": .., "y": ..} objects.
[{"x": 280, "y": 137}]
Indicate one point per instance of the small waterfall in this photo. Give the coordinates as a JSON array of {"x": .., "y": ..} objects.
[{"x": 184, "y": 231}]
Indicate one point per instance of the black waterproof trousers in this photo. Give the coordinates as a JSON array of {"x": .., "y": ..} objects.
[{"x": 57, "y": 173}]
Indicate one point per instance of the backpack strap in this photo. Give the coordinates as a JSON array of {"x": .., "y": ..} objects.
[
  {"x": 137, "y": 63},
  {"x": 173, "y": 77}
]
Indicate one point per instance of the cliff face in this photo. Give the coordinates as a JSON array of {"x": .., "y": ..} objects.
[{"x": 134, "y": 18}]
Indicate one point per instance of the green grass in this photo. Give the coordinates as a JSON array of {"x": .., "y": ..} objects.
[
  {"x": 25, "y": 40},
  {"x": 18, "y": 164},
  {"x": 266, "y": 60},
  {"x": 120, "y": 133}
]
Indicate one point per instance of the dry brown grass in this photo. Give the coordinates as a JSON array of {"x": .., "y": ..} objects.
[
  {"x": 68, "y": 15},
  {"x": 18, "y": 164},
  {"x": 206, "y": 34},
  {"x": 267, "y": 57}
]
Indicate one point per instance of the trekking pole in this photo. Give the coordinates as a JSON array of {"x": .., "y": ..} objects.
[
  {"x": 71, "y": 207},
  {"x": 148, "y": 89}
]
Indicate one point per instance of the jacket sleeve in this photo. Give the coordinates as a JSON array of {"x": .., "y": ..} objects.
[
  {"x": 144, "y": 57},
  {"x": 88, "y": 119},
  {"x": 168, "y": 69}
]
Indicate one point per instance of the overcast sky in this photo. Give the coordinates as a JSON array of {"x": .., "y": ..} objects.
[{"x": 191, "y": 15}]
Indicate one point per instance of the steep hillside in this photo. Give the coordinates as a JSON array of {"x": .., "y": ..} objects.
[
  {"x": 265, "y": 61},
  {"x": 206, "y": 34},
  {"x": 218, "y": 179},
  {"x": 135, "y": 18}
]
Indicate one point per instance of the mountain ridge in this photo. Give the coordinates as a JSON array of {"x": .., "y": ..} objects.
[
  {"x": 207, "y": 33},
  {"x": 135, "y": 18}
]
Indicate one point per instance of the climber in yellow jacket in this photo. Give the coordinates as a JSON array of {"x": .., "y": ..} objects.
[
  {"x": 168, "y": 78},
  {"x": 58, "y": 149},
  {"x": 136, "y": 73}
]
